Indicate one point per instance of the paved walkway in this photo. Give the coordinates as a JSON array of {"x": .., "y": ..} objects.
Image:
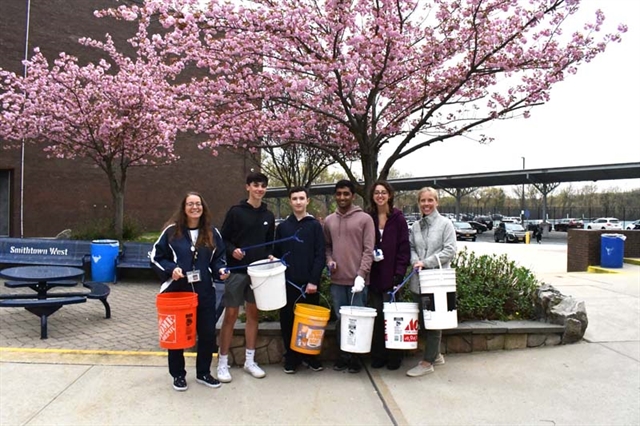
[{"x": 112, "y": 372}]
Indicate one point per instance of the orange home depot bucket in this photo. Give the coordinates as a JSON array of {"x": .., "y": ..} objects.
[
  {"x": 308, "y": 328},
  {"x": 177, "y": 319}
]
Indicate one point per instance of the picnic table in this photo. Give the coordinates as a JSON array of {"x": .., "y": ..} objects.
[{"x": 41, "y": 279}]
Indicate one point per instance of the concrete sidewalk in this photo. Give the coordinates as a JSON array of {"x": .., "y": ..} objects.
[{"x": 102, "y": 378}]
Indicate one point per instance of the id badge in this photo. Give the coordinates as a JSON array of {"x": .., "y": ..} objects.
[{"x": 193, "y": 276}]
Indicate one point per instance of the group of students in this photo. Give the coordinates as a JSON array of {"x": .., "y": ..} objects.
[{"x": 366, "y": 253}]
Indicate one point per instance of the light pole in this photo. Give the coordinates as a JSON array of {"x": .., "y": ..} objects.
[{"x": 522, "y": 199}]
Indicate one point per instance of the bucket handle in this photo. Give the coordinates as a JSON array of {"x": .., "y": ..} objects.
[
  {"x": 281, "y": 240},
  {"x": 303, "y": 293},
  {"x": 281, "y": 260},
  {"x": 395, "y": 290}
]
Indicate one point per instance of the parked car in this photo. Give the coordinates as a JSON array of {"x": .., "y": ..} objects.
[
  {"x": 567, "y": 223},
  {"x": 464, "y": 231},
  {"x": 479, "y": 227},
  {"x": 510, "y": 219},
  {"x": 634, "y": 225},
  {"x": 509, "y": 232},
  {"x": 485, "y": 220},
  {"x": 604, "y": 223}
]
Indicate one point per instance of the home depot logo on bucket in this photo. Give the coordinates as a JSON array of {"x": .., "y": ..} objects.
[{"x": 167, "y": 327}]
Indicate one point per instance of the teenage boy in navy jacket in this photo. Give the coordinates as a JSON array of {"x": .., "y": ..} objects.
[{"x": 306, "y": 261}]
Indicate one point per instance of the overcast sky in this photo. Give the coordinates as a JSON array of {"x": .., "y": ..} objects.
[{"x": 592, "y": 117}]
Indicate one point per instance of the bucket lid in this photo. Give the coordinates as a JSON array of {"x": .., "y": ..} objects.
[
  {"x": 400, "y": 307},
  {"x": 266, "y": 266},
  {"x": 105, "y": 241},
  {"x": 358, "y": 311}
]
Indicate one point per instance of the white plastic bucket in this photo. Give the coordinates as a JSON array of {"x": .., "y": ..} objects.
[
  {"x": 268, "y": 284},
  {"x": 356, "y": 328},
  {"x": 400, "y": 325},
  {"x": 438, "y": 298}
]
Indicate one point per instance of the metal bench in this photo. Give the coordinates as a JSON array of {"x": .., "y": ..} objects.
[
  {"x": 41, "y": 251},
  {"x": 134, "y": 256},
  {"x": 40, "y": 307}
]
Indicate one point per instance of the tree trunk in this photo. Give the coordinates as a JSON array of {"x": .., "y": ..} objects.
[
  {"x": 369, "y": 173},
  {"x": 118, "y": 213},
  {"x": 117, "y": 187}
]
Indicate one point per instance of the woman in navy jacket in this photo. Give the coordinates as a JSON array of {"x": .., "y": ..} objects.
[
  {"x": 188, "y": 256},
  {"x": 392, "y": 238}
]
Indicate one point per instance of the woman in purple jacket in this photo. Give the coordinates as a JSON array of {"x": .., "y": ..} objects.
[{"x": 392, "y": 245}]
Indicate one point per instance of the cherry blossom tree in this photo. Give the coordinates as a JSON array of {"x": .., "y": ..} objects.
[
  {"x": 117, "y": 113},
  {"x": 351, "y": 76}
]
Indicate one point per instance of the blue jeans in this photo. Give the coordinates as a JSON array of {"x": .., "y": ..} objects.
[{"x": 341, "y": 296}]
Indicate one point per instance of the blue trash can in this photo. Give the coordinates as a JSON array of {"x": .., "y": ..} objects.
[
  {"x": 103, "y": 260},
  {"x": 612, "y": 250}
]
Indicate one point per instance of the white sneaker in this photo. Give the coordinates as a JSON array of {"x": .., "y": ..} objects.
[
  {"x": 223, "y": 373},
  {"x": 439, "y": 360},
  {"x": 254, "y": 370}
]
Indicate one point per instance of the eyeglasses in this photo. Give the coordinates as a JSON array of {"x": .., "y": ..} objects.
[
  {"x": 194, "y": 204},
  {"x": 380, "y": 193}
]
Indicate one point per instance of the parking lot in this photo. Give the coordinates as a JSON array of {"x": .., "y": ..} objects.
[{"x": 552, "y": 237}]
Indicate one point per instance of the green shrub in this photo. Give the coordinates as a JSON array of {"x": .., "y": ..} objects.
[{"x": 493, "y": 288}]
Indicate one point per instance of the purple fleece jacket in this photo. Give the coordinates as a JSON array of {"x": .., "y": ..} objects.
[{"x": 395, "y": 248}]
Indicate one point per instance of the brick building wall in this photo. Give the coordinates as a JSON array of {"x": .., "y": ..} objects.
[
  {"x": 60, "y": 194},
  {"x": 583, "y": 247}
]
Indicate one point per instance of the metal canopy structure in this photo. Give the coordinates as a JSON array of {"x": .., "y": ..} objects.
[{"x": 511, "y": 177}]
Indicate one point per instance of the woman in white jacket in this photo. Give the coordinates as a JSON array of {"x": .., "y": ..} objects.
[{"x": 432, "y": 237}]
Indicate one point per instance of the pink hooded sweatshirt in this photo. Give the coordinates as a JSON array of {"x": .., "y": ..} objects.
[{"x": 350, "y": 240}]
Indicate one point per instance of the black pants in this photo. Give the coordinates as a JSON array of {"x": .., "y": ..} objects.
[
  {"x": 206, "y": 331},
  {"x": 379, "y": 351},
  {"x": 286, "y": 321}
]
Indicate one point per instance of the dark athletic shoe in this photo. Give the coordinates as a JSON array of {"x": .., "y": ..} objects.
[
  {"x": 313, "y": 364},
  {"x": 180, "y": 384},
  {"x": 354, "y": 365},
  {"x": 208, "y": 380},
  {"x": 289, "y": 368},
  {"x": 378, "y": 363},
  {"x": 341, "y": 364}
]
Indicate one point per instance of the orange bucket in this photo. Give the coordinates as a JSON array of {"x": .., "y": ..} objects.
[
  {"x": 177, "y": 319},
  {"x": 308, "y": 328}
]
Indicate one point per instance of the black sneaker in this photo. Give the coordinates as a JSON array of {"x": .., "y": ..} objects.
[
  {"x": 354, "y": 365},
  {"x": 289, "y": 367},
  {"x": 313, "y": 364},
  {"x": 394, "y": 364},
  {"x": 180, "y": 384},
  {"x": 378, "y": 363},
  {"x": 341, "y": 364},
  {"x": 208, "y": 380}
]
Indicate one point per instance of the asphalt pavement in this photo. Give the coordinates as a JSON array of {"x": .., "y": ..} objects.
[{"x": 93, "y": 371}]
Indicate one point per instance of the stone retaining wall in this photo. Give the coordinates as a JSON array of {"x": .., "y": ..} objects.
[
  {"x": 475, "y": 336},
  {"x": 563, "y": 319}
]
